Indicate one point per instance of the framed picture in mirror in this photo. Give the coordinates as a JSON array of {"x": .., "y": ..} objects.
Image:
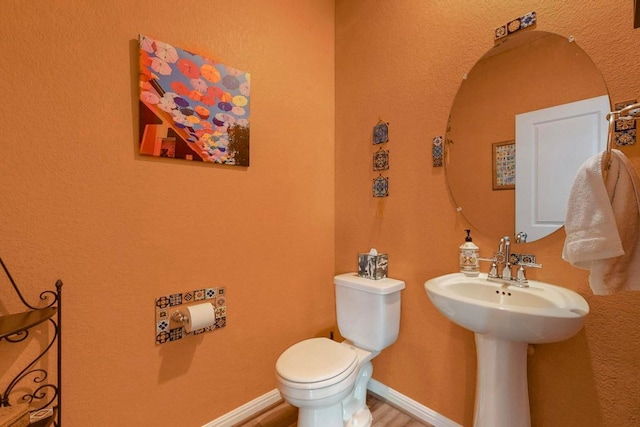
[{"x": 503, "y": 160}]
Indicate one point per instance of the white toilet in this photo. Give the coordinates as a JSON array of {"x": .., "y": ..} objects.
[{"x": 327, "y": 380}]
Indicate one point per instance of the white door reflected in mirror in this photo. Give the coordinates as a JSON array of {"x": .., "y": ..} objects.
[{"x": 552, "y": 144}]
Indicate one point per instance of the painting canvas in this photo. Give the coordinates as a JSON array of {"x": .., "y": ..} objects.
[
  {"x": 191, "y": 107},
  {"x": 504, "y": 165}
]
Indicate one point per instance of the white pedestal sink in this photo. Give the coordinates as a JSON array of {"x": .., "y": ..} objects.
[{"x": 505, "y": 320}]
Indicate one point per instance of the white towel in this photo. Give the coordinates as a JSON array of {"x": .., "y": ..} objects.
[{"x": 603, "y": 224}]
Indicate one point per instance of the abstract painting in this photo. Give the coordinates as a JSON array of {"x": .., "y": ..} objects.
[{"x": 191, "y": 107}]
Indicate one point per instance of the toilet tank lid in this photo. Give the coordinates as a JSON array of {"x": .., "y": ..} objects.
[{"x": 381, "y": 286}]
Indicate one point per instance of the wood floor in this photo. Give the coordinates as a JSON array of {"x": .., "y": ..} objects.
[{"x": 384, "y": 415}]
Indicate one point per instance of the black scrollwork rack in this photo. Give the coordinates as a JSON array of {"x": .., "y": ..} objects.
[{"x": 14, "y": 328}]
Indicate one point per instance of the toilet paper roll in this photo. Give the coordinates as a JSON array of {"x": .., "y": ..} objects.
[{"x": 200, "y": 316}]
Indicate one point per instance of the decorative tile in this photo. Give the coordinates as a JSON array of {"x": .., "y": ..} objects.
[
  {"x": 162, "y": 302},
  {"x": 437, "y": 151},
  {"x": 199, "y": 294},
  {"x": 620, "y": 105},
  {"x": 176, "y": 299},
  {"x": 528, "y": 20},
  {"x": 221, "y": 312},
  {"x": 162, "y": 325},
  {"x": 168, "y": 330},
  {"x": 529, "y": 258},
  {"x": 188, "y": 296},
  {"x": 381, "y": 186},
  {"x": 381, "y": 160},
  {"x": 162, "y": 337},
  {"x": 500, "y": 32},
  {"x": 625, "y": 130},
  {"x": 381, "y": 133},
  {"x": 162, "y": 313},
  {"x": 515, "y": 25},
  {"x": 516, "y": 259},
  {"x": 221, "y": 323},
  {"x": 626, "y": 137},
  {"x": 175, "y": 334},
  {"x": 622, "y": 125}
]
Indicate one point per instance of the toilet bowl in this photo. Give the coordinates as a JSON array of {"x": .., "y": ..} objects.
[
  {"x": 326, "y": 380},
  {"x": 320, "y": 377}
]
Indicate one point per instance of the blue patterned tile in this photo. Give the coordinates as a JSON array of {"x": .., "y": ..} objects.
[
  {"x": 528, "y": 20},
  {"x": 162, "y": 325},
  {"x": 381, "y": 133},
  {"x": 381, "y": 186}
]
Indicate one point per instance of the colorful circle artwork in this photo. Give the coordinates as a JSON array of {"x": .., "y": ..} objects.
[{"x": 182, "y": 95}]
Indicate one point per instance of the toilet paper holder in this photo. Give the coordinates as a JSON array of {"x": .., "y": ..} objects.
[
  {"x": 186, "y": 314},
  {"x": 194, "y": 317},
  {"x": 179, "y": 316}
]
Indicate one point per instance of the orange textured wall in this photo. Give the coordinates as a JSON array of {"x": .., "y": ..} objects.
[
  {"x": 78, "y": 202},
  {"x": 403, "y": 61}
]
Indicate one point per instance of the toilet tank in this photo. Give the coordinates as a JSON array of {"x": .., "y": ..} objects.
[{"x": 368, "y": 310}]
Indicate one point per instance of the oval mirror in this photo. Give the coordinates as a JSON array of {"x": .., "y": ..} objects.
[{"x": 529, "y": 71}]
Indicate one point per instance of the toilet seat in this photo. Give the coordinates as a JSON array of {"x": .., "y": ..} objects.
[{"x": 316, "y": 363}]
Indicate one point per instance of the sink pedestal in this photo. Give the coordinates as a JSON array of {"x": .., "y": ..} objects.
[
  {"x": 502, "y": 395},
  {"x": 505, "y": 320}
]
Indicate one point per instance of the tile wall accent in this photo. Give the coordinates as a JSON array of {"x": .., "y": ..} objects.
[
  {"x": 625, "y": 131},
  {"x": 168, "y": 330},
  {"x": 516, "y": 25},
  {"x": 380, "y": 159},
  {"x": 437, "y": 151}
]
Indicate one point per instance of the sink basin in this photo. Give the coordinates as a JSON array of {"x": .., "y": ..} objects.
[
  {"x": 540, "y": 313},
  {"x": 506, "y": 319}
]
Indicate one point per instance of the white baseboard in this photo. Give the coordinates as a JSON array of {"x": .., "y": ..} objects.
[
  {"x": 247, "y": 410},
  {"x": 399, "y": 400},
  {"x": 410, "y": 406}
]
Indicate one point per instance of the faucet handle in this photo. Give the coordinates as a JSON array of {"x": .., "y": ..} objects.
[
  {"x": 530, "y": 264},
  {"x": 493, "y": 272},
  {"x": 521, "y": 276}
]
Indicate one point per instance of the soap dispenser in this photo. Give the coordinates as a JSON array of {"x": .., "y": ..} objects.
[{"x": 469, "y": 251}]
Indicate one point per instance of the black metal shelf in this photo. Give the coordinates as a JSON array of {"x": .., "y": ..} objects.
[
  {"x": 12, "y": 324},
  {"x": 15, "y": 328}
]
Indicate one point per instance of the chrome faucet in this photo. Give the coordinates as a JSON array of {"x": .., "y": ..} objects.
[
  {"x": 505, "y": 250},
  {"x": 503, "y": 258}
]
